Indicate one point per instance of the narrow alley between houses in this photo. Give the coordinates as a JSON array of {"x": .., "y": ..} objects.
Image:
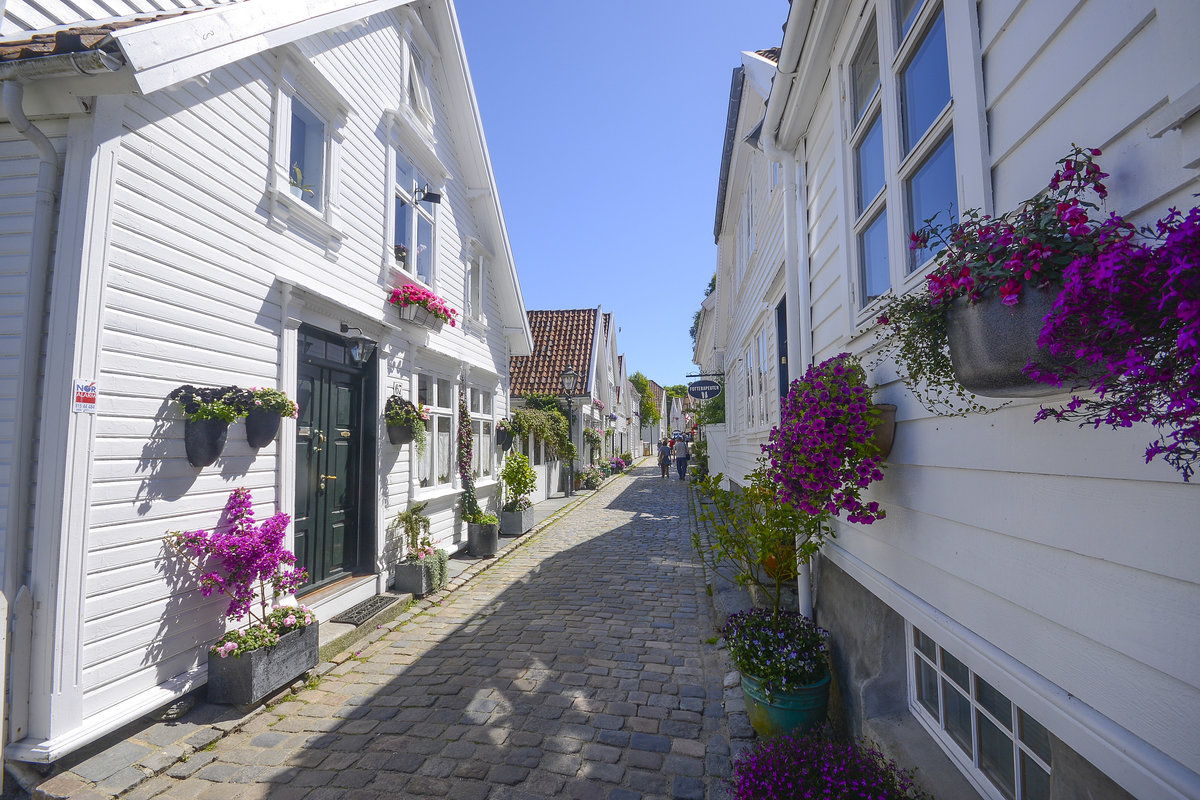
[{"x": 574, "y": 667}]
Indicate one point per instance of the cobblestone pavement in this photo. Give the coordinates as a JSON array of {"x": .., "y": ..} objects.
[{"x": 576, "y": 667}]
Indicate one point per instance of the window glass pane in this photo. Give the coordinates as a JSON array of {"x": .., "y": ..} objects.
[
  {"x": 956, "y": 670},
  {"x": 476, "y": 447},
  {"x": 868, "y": 159},
  {"x": 403, "y": 238},
  {"x": 537, "y": 450},
  {"x": 933, "y": 192},
  {"x": 926, "y": 84},
  {"x": 1035, "y": 737},
  {"x": 873, "y": 251},
  {"x": 994, "y": 702},
  {"x": 906, "y": 14},
  {"x": 486, "y": 403},
  {"x": 424, "y": 384},
  {"x": 864, "y": 72},
  {"x": 474, "y": 401},
  {"x": 1035, "y": 781},
  {"x": 957, "y": 720},
  {"x": 424, "y": 248},
  {"x": 445, "y": 397},
  {"x": 443, "y": 449},
  {"x": 307, "y": 154},
  {"x": 425, "y": 464},
  {"x": 404, "y": 174},
  {"x": 996, "y": 756},
  {"x": 927, "y": 686},
  {"x": 925, "y": 644},
  {"x": 485, "y": 463}
]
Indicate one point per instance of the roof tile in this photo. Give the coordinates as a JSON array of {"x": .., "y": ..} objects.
[{"x": 561, "y": 339}]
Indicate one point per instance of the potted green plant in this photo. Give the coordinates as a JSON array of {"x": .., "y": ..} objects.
[
  {"x": 247, "y": 563},
  {"x": 520, "y": 479},
  {"x": 592, "y": 438},
  {"x": 262, "y": 408},
  {"x": 423, "y": 569},
  {"x": 405, "y": 422},
  {"x": 755, "y": 539},
  {"x": 296, "y": 185},
  {"x": 207, "y": 413}
]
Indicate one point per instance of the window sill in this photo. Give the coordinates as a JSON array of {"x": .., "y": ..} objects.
[
  {"x": 288, "y": 211},
  {"x": 436, "y": 492}
]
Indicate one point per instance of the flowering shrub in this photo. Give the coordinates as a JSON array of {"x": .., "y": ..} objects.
[
  {"x": 263, "y": 399},
  {"x": 617, "y": 464},
  {"x": 591, "y": 477},
  {"x": 822, "y": 453},
  {"x": 592, "y": 437},
  {"x": 1133, "y": 307},
  {"x": 796, "y": 766},
  {"x": 281, "y": 621},
  {"x": 399, "y": 411},
  {"x": 783, "y": 649},
  {"x": 410, "y": 294},
  {"x": 249, "y": 557},
  {"x": 207, "y": 402}
]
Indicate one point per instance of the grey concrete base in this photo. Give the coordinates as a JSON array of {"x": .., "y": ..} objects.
[{"x": 901, "y": 738}]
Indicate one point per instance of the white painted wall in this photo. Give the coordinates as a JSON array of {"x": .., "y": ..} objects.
[{"x": 24, "y": 15}]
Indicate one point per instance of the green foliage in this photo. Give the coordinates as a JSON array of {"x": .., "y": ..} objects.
[
  {"x": 647, "y": 406},
  {"x": 438, "y": 566},
  {"x": 678, "y": 390},
  {"x": 694, "y": 331},
  {"x": 913, "y": 333},
  {"x": 548, "y": 425},
  {"x": 544, "y": 402},
  {"x": 413, "y": 525},
  {"x": 712, "y": 412},
  {"x": 400, "y": 411},
  {"x": 520, "y": 480},
  {"x": 748, "y": 530},
  {"x": 207, "y": 402}
]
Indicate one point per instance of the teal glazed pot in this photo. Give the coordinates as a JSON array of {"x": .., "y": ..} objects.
[{"x": 800, "y": 710}]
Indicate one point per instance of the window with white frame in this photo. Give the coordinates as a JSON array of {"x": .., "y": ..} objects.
[
  {"x": 435, "y": 466},
  {"x": 984, "y": 730},
  {"x": 307, "y": 128},
  {"x": 901, "y": 139},
  {"x": 482, "y": 444},
  {"x": 763, "y": 365},
  {"x": 413, "y": 220},
  {"x": 475, "y": 289},
  {"x": 751, "y": 383},
  {"x": 416, "y": 83}
]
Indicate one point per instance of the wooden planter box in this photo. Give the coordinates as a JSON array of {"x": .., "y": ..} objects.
[
  {"x": 515, "y": 523},
  {"x": 245, "y": 680}
]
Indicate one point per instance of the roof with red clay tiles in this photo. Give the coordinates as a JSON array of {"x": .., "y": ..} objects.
[
  {"x": 770, "y": 54},
  {"x": 561, "y": 339},
  {"x": 75, "y": 39}
]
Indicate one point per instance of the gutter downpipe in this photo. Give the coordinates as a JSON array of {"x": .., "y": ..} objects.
[{"x": 797, "y": 287}]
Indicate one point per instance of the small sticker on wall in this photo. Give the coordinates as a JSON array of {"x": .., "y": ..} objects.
[{"x": 85, "y": 397}]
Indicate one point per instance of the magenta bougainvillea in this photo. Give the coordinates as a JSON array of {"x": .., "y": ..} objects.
[
  {"x": 410, "y": 294},
  {"x": 822, "y": 454},
  {"x": 1132, "y": 307},
  {"x": 241, "y": 559}
]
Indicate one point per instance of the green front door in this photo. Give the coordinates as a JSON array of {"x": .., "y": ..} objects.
[{"x": 332, "y": 539}]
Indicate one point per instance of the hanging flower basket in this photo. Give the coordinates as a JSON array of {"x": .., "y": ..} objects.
[
  {"x": 203, "y": 440},
  {"x": 261, "y": 427},
  {"x": 992, "y": 343},
  {"x": 400, "y": 434},
  {"x": 884, "y": 429},
  {"x": 504, "y": 439},
  {"x": 422, "y": 316}
]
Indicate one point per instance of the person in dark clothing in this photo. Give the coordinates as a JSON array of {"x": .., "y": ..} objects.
[
  {"x": 681, "y": 457},
  {"x": 664, "y": 457}
]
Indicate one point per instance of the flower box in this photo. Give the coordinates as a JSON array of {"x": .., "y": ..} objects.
[
  {"x": 247, "y": 679},
  {"x": 420, "y": 315},
  {"x": 483, "y": 541},
  {"x": 415, "y": 577}
]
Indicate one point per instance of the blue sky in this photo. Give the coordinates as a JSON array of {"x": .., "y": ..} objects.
[{"x": 605, "y": 123}]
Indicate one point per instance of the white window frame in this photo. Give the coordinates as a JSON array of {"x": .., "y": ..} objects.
[
  {"x": 963, "y": 116},
  {"x": 483, "y": 429},
  {"x": 298, "y": 80},
  {"x": 969, "y": 765},
  {"x": 432, "y": 453}
]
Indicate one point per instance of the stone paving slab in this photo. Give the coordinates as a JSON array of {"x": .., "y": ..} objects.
[{"x": 572, "y": 665}]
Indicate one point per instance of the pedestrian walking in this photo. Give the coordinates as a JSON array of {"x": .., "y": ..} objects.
[
  {"x": 681, "y": 456},
  {"x": 664, "y": 457}
]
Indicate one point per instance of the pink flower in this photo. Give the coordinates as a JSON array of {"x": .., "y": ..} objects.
[{"x": 289, "y": 620}]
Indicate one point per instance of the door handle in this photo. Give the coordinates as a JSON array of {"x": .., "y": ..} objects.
[{"x": 329, "y": 477}]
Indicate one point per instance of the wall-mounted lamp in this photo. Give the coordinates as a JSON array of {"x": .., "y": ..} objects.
[
  {"x": 361, "y": 347},
  {"x": 426, "y": 196}
]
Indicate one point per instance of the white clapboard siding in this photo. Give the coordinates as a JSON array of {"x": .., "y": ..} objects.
[
  {"x": 28, "y": 15},
  {"x": 18, "y": 181},
  {"x": 192, "y": 297}
]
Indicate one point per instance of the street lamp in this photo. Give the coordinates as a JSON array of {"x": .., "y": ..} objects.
[{"x": 569, "y": 378}]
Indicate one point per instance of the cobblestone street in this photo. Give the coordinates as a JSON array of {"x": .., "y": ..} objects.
[{"x": 575, "y": 667}]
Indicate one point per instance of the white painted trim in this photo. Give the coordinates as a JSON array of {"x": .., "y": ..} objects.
[
  {"x": 173, "y": 50},
  {"x": 1127, "y": 759}
]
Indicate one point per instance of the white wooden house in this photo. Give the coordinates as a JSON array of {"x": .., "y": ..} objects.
[
  {"x": 1021, "y": 625},
  {"x": 179, "y": 252}
]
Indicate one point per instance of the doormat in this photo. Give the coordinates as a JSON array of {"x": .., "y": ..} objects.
[{"x": 365, "y": 610}]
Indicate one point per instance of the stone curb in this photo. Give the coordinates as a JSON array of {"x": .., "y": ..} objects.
[{"x": 129, "y": 761}]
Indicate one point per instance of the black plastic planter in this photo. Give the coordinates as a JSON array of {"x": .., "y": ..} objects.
[
  {"x": 504, "y": 439},
  {"x": 261, "y": 428},
  {"x": 883, "y": 432},
  {"x": 400, "y": 434},
  {"x": 204, "y": 439}
]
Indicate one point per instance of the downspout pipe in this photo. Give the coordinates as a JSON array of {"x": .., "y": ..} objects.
[{"x": 41, "y": 236}]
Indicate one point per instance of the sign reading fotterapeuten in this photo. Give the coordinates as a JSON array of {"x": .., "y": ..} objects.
[{"x": 704, "y": 390}]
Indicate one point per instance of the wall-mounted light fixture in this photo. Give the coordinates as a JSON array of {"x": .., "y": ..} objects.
[
  {"x": 361, "y": 347},
  {"x": 426, "y": 196}
]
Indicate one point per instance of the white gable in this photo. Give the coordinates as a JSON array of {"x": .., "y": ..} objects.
[{"x": 24, "y": 15}]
